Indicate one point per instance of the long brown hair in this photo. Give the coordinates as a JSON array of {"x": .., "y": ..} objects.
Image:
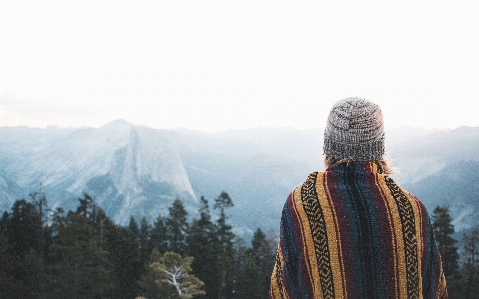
[{"x": 384, "y": 163}]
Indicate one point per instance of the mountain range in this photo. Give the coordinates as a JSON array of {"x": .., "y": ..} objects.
[{"x": 139, "y": 171}]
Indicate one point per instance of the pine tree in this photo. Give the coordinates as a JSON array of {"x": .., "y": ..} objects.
[
  {"x": 149, "y": 287},
  {"x": 248, "y": 278},
  {"x": 264, "y": 256},
  {"x": 158, "y": 236},
  {"x": 174, "y": 270},
  {"x": 177, "y": 227},
  {"x": 144, "y": 243},
  {"x": 202, "y": 246},
  {"x": 102, "y": 225},
  {"x": 40, "y": 201},
  {"x": 225, "y": 250},
  {"x": 125, "y": 259},
  {"x": 135, "y": 264},
  {"x": 470, "y": 268},
  {"x": 133, "y": 229},
  {"x": 9, "y": 287},
  {"x": 81, "y": 267},
  {"x": 87, "y": 207},
  {"x": 22, "y": 229},
  {"x": 443, "y": 231},
  {"x": 254, "y": 266}
]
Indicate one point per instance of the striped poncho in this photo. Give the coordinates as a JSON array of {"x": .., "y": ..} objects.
[{"x": 352, "y": 232}]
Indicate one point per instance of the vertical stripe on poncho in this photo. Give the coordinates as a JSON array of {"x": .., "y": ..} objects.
[{"x": 352, "y": 232}]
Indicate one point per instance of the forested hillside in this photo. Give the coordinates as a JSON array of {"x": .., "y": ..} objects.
[{"x": 48, "y": 253}]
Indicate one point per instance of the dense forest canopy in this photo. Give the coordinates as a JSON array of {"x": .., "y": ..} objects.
[{"x": 83, "y": 254}]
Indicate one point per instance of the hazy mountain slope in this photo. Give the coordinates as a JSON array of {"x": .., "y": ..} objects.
[
  {"x": 257, "y": 167},
  {"x": 457, "y": 185},
  {"x": 426, "y": 155},
  {"x": 129, "y": 170},
  {"x": 443, "y": 168}
]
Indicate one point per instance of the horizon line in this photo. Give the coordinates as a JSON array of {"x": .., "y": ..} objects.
[{"x": 216, "y": 129}]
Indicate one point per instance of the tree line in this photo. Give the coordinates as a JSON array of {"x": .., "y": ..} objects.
[{"x": 84, "y": 254}]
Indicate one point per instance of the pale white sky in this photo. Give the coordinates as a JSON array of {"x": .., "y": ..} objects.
[{"x": 236, "y": 64}]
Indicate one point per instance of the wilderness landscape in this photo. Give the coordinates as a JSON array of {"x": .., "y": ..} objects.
[
  {"x": 138, "y": 171},
  {"x": 114, "y": 208}
]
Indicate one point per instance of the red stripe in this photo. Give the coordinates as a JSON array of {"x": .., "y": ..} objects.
[
  {"x": 336, "y": 199},
  {"x": 337, "y": 218},
  {"x": 388, "y": 250},
  {"x": 424, "y": 232},
  {"x": 304, "y": 259}
]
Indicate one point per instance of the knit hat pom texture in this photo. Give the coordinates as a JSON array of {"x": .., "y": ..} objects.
[{"x": 354, "y": 129}]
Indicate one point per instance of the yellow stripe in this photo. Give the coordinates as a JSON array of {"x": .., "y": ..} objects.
[
  {"x": 275, "y": 288},
  {"x": 418, "y": 225},
  {"x": 396, "y": 226},
  {"x": 419, "y": 236},
  {"x": 309, "y": 252},
  {"x": 337, "y": 262},
  {"x": 441, "y": 289}
]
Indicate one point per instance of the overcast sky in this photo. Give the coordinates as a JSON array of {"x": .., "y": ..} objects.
[{"x": 221, "y": 65}]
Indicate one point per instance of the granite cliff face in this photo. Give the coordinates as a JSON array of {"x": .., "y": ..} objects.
[{"x": 129, "y": 170}]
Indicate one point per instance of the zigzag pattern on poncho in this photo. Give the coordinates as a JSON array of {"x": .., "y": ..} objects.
[{"x": 352, "y": 232}]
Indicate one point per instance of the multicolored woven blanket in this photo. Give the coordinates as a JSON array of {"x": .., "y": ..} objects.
[{"x": 352, "y": 232}]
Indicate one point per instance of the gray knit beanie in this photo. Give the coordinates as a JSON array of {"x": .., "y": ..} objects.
[{"x": 354, "y": 130}]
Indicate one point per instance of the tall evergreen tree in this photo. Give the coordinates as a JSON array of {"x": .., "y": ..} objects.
[
  {"x": 225, "y": 237},
  {"x": 177, "y": 227},
  {"x": 87, "y": 207},
  {"x": 254, "y": 266},
  {"x": 81, "y": 267},
  {"x": 158, "y": 236},
  {"x": 102, "y": 225},
  {"x": 135, "y": 264},
  {"x": 202, "y": 246},
  {"x": 443, "y": 231},
  {"x": 40, "y": 201},
  {"x": 58, "y": 220},
  {"x": 133, "y": 229},
  {"x": 22, "y": 229},
  {"x": 470, "y": 269},
  {"x": 126, "y": 261},
  {"x": 144, "y": 243},
  {"x": 248, "y": 275},
  {"x": 264, "y": 255},
  {"x": 9, "y": 288}
]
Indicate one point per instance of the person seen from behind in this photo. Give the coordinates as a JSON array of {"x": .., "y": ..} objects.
[{"x": 351, "y": 231}]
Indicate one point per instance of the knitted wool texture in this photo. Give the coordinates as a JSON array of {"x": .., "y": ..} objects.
[
  {"x": 352, "y": 232},
  {"x": 354, "y": 130}
]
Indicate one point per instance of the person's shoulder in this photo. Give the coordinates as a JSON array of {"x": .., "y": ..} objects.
[
  {"x": 408, "y": 194},
  {"x": 311, "y": 178}
]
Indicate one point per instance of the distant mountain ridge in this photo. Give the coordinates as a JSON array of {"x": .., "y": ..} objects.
[
  {"x": 139, "y": 171},
  {"x": 443, "y": 168},
  {"x": 129, "y": 170}
]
